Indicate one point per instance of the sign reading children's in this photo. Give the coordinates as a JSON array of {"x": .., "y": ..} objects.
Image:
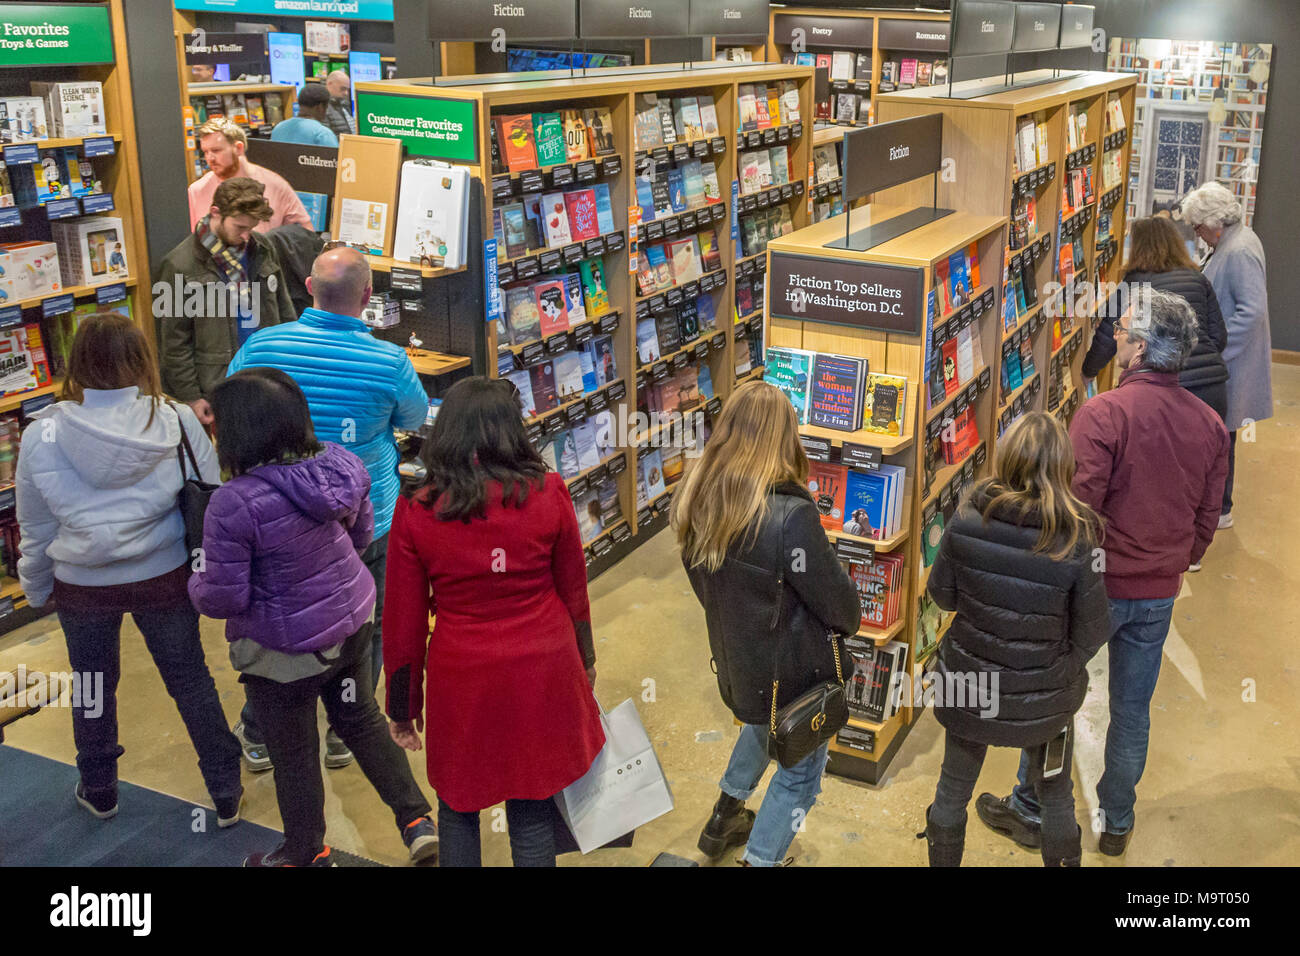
[
  {"x": 432, "y": 126},
  {"x": 54, "y": 34}
]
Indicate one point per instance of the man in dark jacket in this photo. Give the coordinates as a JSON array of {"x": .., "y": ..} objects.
[
  {"x": 216, "y": 288},
  {"x": 1152, "y": 460}
]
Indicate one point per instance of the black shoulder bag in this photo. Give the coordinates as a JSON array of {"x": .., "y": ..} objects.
[
  {"x": 816, "y": 715},
  {"x": 195, "y": 492}
]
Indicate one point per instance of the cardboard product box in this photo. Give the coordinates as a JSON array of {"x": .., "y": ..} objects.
[
  {"x": 92, "y": 251},
  {"x": 35, "y": 184},
  {"x": 432, "y": 214},
  {"x": 34, "y": 267},
  {"x": 382, "y": 312},
  {"x": 21, "y": 118},
  {"x": 17, "y": 369},
  {"x": 74, "y": 109},
  {"x": 7, "y": 292}
]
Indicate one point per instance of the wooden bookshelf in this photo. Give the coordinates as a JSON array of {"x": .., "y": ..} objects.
[{"x": 926, "y": 482}]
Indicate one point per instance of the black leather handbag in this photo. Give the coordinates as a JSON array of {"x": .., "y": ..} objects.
[
  {"x": 812, "y": 718},
  {"x": 195, "y": 493}
]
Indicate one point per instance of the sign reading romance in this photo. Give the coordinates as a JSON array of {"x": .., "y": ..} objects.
[{"x": 862, "y": 295}]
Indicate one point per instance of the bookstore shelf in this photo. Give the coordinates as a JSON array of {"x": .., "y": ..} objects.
[
  {"x": 829, "y": 134},
  {"x": 944, "y": 476},
  {"x": 388, "y": 264},
  {"x": 1024, "y": 321},
  {"x": 599, "y": 161},
  {"x": 565, "y": 406},
  {"x": 666, "y": 359},
  {"x": 426, "y": 362},
  {"x": 882, "y": 545},
  {"x": 559, "y": 250},
  {"x": 712, "y": 276},
  {"x": 756, "y": 372},
  {"x": 588, "y": 472},
  {"x": 888, "y": 444},
  {"x": 9, "y": 403},
  {"x": 540, "y": 340},
  {"x": 1015, "y": 393},
  {"x": 236, "y": 87},
  {"x": 56, "y": 141},
  {"x": 938, "y": 410},
  {"x": 887, "y": 634},
  {"x": 1018, "y": 175},
  {"x": 1068, "y": 336},
  {"x": 76, "y": 291}
]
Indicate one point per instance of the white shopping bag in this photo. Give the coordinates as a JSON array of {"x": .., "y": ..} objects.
[{"x": 625, "y": 787}]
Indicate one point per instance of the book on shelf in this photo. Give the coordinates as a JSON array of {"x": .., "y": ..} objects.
[
  {"x": 677, "y": 189},
  {"x": 907, "y": 72},
  {"x": 568, "y": 376},
  {"x": 580, "y": 208},
  {"x": 552, "y": 307},
  {"x": 763, "y": 117},
  {"x": 516, "y": 135},
  {"x": 542, "y": 379},
  {"x": 923, "y": 72},
  {"x": 600, "y": 130},
  {"x": 826, "y": 484},
  {"x": 604, "y": 208},
  {"x": 791, "y": 370},
  {"x": 836, "y": 396},
  {"x": 667, "y": 125},
  {"x": 575, "y": 136},
  {"x": 686, "y": 118},
  {"x": 574, "y": 299},
  {"x": 555, "y": 220},
  {"x": 884, "y": 403},
  {"x": 708, "y": 115},
  {"x": 647, "y": 341},
  {"x": 842, "y": 63},
  {"x": 873, "y": 502},
  {"x": 647, "y": 130},
  {"x": 879, "y": 586},
  {"x": 846, "y": 108},
  {"x": 748, "y": 107},
  {"x": 888, "y": 76},
  {"x": 931, "y": 536},
  {"x": 929, "y": 619}
]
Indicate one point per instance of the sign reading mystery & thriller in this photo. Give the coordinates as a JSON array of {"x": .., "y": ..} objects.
[{"x": 859, "y": 294}]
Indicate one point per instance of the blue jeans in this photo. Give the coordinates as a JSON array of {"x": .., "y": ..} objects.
[
  {"x": 790, "y": 795},
  {"x": 172, "y": 637},
  {"x": 375, "y": 558},
  {"x": 1137, "y": 640},
  {"x": 530, "y": 823}
]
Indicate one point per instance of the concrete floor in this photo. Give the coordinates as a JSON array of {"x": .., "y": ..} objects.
[{"x": 1222, "y": 785}]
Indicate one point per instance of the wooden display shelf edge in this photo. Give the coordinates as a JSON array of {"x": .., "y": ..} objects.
[
  {"x": 883, "y": 636},
  {"x": 969, "y": 299},
  {"x": 1021, "y": 322},
  {"x": 588, "y": 471},
  {"x": 517, "y": 349},
  {"x": 647, "y": 298},
  {"x": 1015, "y": 177},
  {"x": 888, "y": 444},
  {"x": 568, "y": 162},
  {"x": 830, "y": 134},
  {"x": 53, "y": 142},
  {"x": 10, "y": 402},
  {"x": 76, "y": 291},
  {"x": 1065, "y": 339},
  {"x": 944, "y": 476},
  {"x": 1015, "y": 393},
  {"x": 196, "y": 88},
  {"x": 388, "y": 263},
  {"x": 535, "y": 253},
  {"x": 566, "y": 405},
  {"x": 426, "y": 362},
  {"x": 880, "y": 544},
  {"x": 9, "y": 587}
]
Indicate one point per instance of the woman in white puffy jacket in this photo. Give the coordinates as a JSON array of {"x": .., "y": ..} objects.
[{"x": 102, "y": 534}]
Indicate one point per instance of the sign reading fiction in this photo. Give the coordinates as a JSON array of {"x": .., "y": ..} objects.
[
  {"x": 926, "y": 35},
  {"x": 884, "y": 155},
  {"x": 1038, "y": 25},
  {"x": 728, "y": 18},
  {"x": 432, "y": 126},
  {"x": 520, "y": 19},
  {"x": 633, "y": 19},
  {"x": 982, "y": 26},
  {"x": 862, "y": 295},
  {"x": 1076, "y": 26},
  {"x": 851, "y": 32}
]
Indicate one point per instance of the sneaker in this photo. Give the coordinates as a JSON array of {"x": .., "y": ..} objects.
[
  {"x": 421, "y": 839},
  {"x": 336, "y": 751},
  {"x": 1225, "y": 521},
  {"x": 230, "y": 809},
  {"x": 102, "y": 804},
  {"x": 256, "y": 755},
  {"x": 1193, "y": 568},
  {"x": 277, "y": 857}
]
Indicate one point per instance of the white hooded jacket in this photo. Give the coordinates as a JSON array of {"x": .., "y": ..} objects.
[{"x": 97, "y": 491}]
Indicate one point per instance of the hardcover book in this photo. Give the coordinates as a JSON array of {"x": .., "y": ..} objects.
[
  {"x": 580, "y": 207},
  {"x": 517, "y": 142},
  {"x": 826, "y": 484},
  {"x": 552, "y": 307},
  {"x": 835, "y": 400},
  {"x": 885, "y": 403},
  {"x": 555, "y": 220},
  {"x": 791, "y": 371}
]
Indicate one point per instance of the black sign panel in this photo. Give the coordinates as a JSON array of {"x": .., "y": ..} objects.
[
  {"x": 209, "y": 49},
  {"x": 862, "y": 457},
  {"x": 634, "y": 20},
  {"x": 817, "y": 449},
  {"x": 851, "y": 32},
  {"x": 983, "y": 26},
  {"x": 520, "y": 19},
  {"x": 309, "y": 169},
  {"x": 928, "y": 35},
  {"x": 1037, "y": 26},
  {"x": 728, "y": 18},
  {"x": 884, "y": 155},
  {"x": 862, "y": 295},
  {"x": 1076, "y": 25}
]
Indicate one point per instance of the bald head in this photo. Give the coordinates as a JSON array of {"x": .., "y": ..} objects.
[
  {"x": 340, "y": 282},
  {"x": 339, "y": 84}
]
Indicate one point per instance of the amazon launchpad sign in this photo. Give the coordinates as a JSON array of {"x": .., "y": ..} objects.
[
  {"x": 861, "y": 295},
  {"x": 432, "y": 126}
]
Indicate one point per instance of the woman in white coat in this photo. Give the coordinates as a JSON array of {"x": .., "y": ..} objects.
[
  {"x": 1235, "y": 268},
  {"x": 102, "y": 534}
]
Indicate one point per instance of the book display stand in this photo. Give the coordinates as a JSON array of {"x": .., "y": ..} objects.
[
  {"x": 624, "y": 295},
  {"x": 845, "y": 304},
  {"x": 102, "y": 172}
]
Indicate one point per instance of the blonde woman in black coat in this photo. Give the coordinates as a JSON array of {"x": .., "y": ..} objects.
[{"x": 1017, "y": 565}]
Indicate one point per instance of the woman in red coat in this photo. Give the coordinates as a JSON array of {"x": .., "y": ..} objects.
[{"x": 490, "y": 543}]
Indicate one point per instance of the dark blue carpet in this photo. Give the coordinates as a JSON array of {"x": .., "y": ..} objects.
[{"x": 41, "y": 824}]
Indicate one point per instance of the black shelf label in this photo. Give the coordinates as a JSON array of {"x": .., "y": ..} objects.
[
  {"x": 862, "y": 457},
  {"x": 550, "y": 261},
  {"x": 858, "y": 552},
  {"x": 719, "y": 212},
  {"x": 680, "y": 360},
  {"x": 612, "y": 165},
  {"x": 92, "y": 205},
  {"x": 597, "y": 403},
  {"x": 985, "y": 379},
  {"x": 582, "y": 333},
  {"x": 576, "y": 413},
  {"x": 561, "y": 175},
  {"x": 687, "y": 220},
  {"x": 691, "y": 290},
  {"x": 608, "y": 323},
  {"x": 672, "y": 227},
  {"x": 533, "y": 432},
  {"x": 617, "y": 466},
  {"x": 557, "y": 343},
  {"x": 110, "y": 293},
  {"x": 93, "y": 146},
  {"x": 532, "y": 353},
  {"x": 585, "y": 172},
  {"x": 614, "y": 242},
  {"x": 681, "y": 153},
  {"x": 659, "y": 371},
  {"x": 601, "y": 547},
  {"x": 406, "y": 280},
  {"x": 57, "y": 305},
  {"x": 675, "y": 297},
  {"x": 700, "y": 149},
  {"x": 657, "y": 304},
  {"x": 617, "y": 391},
  {"x": 553, "y": 426},
  {"x": 593, "y": 247},
  {"x": 714, "y": 406},
  {"x": 503, "y": 187},
  {"x": 981, "y": 453},
  {"x": 701, "y": 349},
  {"x": 531, "y": 181},
  {"x": 787, "y": 191},
  {"x": 573, "y": 254},
  {"x": 718, "y": 144},
  {"x": 659, "y": 156},
  {"x": 505, "y": 273},
  {"x": 654, "y": 231},
  {"x": 817, "y": 449},
  {"x": 621, "y": 534},
  {"x": 527, "y": 268},
  {"x": 796, "y": 130},
  {"x": 644, "y": 517},
  {"x": 578, "y": 487},
  {"x": 798, "y": 187},
  {"x": 769, "y": 137},
  {"x": 718, "y": 343}
]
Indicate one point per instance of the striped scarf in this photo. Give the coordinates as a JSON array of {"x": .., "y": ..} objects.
[{"x": 230, "y": 262}]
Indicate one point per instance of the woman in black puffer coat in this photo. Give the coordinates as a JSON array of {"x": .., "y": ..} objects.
[
  {"x": 1157, "y": 256},
  {"x": 1016, "y": 564}
]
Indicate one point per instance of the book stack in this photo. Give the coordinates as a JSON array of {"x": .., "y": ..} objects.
[
  {"x": 763, "y": 106},
  {"x": 757, "y": 229},
  {"x": 683, "y": 188},
  {"x": 525, "y": 141},
  {"x": 880, "y": 589},
  {"x": 870, "y": 691},
  {"x": 74, "y": 109},
  {"x": 669, "y": 330},
  {"x": 551, "y": 220},
  {"x": 545, "y": 385},
  {"x": 956, "y": 278},
  {"x": 868, "y": 504},
  {"x": 554, "y": 303},
  {"x": 1076, "y": 127},
  {"x": 1114, "y": 115},
  {"x": 664, "y": 265},
  {"x": 1030, "y": 148},
  {"x": 763, "y": 168},
  {"x": 836, "y": 391}
]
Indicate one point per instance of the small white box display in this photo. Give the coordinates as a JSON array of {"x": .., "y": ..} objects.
[
  {"x": 74, "y": 109},
  {"x": 22, "y": 117},
  {"x": 432, "y": 214},
  {"x": 91, "y": 251}
]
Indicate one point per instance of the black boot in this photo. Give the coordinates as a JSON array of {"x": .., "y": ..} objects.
[
  {"x": 946, "y": 844},
  {"x": 999, "y": 816},
  {"x": 729, "y": 826}
]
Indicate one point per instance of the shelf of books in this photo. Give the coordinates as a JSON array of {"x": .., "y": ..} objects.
[
  {"x": 71, "y": 229},
  {"x": 894, "y": 425},
  {"x": 1178, "y": 80},
  {"x": 1062, "y": 149},
  {"x": 630, "y": 213}
]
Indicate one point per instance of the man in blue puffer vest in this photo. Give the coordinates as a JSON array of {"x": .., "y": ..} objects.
[{"x": 359, "y": 389}]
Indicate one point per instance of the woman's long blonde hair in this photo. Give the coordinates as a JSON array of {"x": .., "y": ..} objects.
[
  {"x": 754, "y": 446},
  {"x": 1032, "y": 472}
]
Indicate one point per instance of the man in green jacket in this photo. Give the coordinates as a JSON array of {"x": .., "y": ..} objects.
[{"x": 215, "y": 289}]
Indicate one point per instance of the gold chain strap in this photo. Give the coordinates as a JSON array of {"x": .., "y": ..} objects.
[
  {"x": 775, "y": 685},
  {"x": 839, "y": 676}
]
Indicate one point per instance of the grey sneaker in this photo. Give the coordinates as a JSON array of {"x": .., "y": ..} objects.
[
  {"x": 256, "y": 755},
  {"x": 337, "y": 753}
]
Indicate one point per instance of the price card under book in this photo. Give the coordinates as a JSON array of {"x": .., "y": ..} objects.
[
  {"x": 406, "y": 280},
  {"x": 859, "y": 552},
  {"x": 862, "y": 457},
  {"x": 817, "y": 449}
]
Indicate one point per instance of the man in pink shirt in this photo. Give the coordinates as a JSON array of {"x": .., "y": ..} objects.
[{"x": 223, "y": 144}]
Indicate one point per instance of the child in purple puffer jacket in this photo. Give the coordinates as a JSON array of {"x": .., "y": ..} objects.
[{"x": 281, "y": 561}]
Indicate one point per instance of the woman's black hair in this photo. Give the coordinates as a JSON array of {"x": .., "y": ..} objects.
[
  {"x": 478, "y": 437},
  {"x": 261, "y": 416}
]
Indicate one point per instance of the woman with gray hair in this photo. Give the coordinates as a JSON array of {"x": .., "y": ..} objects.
[{"x": 1236, "y": 270}]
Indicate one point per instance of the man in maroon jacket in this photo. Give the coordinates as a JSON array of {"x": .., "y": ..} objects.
[{"x": 1151, "y": 459}]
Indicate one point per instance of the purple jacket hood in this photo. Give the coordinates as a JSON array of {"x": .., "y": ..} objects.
[{"x": 328, "y": 487}]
